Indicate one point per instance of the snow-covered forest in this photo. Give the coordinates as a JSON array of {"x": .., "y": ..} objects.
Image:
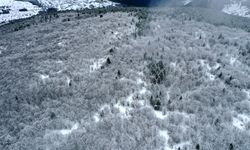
[
  {"x": 126, "y": 78},
  {"x": 17, "y": 9}
]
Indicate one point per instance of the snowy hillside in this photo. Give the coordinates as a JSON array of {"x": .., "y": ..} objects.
[
  {"x": 126, "y": 79},
  {"x": 74, "y": 4},
  {"x": 186, "y": 2},
  {"x": 11, "y": 9},
  {"x": 232, "y": 7},
  {"x": 237, "y": 8}
]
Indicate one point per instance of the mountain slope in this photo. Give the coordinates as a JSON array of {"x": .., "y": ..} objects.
[
  {"x": 239, "y": 8},
  {"x": 125, "y": 78},
  {"x": 10, "y": 9},
  {"x": 234, "y": 7},
  {"x": 74, "y": 4}
]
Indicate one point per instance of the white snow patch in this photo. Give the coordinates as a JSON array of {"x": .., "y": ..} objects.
[
  {"x": 129, "y": 99},
  {"x": 60, "y": 71},
  {"x": 168, "y": 95},
  {"x": 165, "y": 135},
  {"x": 97, "y": 64},
  {"x": 117, "y": 35},
  {"x": 125, "y": 104},
  {"x": 207, "y": 68},
  {"x": 141, "y": 102},
  {"x": 124, "y": 110},
  {"x": 181, "y": 145},
  {"x": 205, "y": 64},
  {"x": 61, "y": 44},
  {"x": 139, "y": 81},
  {"x": 247, "y": 93},
  {"x": 232, "y": 60},
  {"x": 2, "y": 48},
  {"x": 44, "y": 77},
  {"x": 62, "y": 132},
  {"x": 241, "y": 121},
  {"x": 173, "y": 64},
  {"x": 143, "y": 91},
  {"x": 244, "y": 117},
  {"x": 238, "y": 123},
  {"x": 140, "y": 74},
  {"x": 59, "y": 62},
  {"x": 236, "y": 8},
  {"x": 68, "y": 80},
  {"x": 121, "y": 108},
  {"x": 186, "y": 2},
  {"x": 96, "y": 117},
  {"x": 58, "y": 137},
  {"x": 159, "y": 114},
  {"x": 28, "y": 44},
  {"x": 210, "y": 76},
  {"x": 75, "y": 4},
  {"x": 69, "y": 131}
]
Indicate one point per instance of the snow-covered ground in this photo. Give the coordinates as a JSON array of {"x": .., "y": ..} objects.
[
  {"x": 234, "y": 7},
  {"x": 186, "y": 2},
  {"x": 13, "y": 7},
  {"x": 97, "y": 64},
  {"x": 237, "y": 8},
  {"x": 207, "y": 69},
  {"x": 75, "y": 4},
  {"x": 241, "y": 121},
  {"x": 125, "y": 105}
]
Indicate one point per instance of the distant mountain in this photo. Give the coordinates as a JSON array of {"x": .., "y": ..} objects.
[
  {"x": 239, "y": 8},
  {"x": 74, "y": 4},
  {"x": 13, "y": 9},
  {"x": 234, "y": 7}
]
